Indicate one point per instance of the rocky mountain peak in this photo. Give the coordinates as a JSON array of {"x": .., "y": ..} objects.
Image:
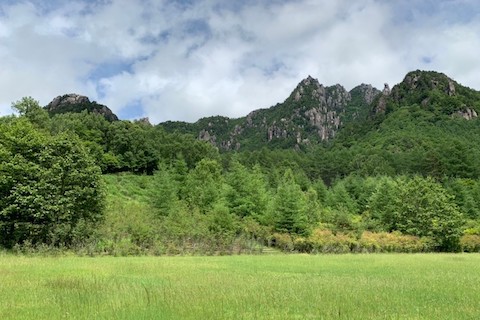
[
  {"x": 425, "y": 81},
  {"x": 433, "y": 91},
  {"x": 386, "y": 89},
  {"x": 77, "y": 103},
  {"x": 366, "y": 92}
]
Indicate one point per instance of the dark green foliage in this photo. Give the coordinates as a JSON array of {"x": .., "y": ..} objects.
[
  {"x": 419, "y": 207},
  {"x": 134, "y": 146},
  {"x": 49, "y": 187},
  {"x": 131, "y": 146},
  {"x": 435, "y": 92},
  {"x": 466, "y": 195}
]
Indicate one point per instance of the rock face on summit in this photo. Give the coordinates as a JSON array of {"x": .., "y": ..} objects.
[
  {"x": 323, "y": 107},
  {"x": 77, "y": 103}
]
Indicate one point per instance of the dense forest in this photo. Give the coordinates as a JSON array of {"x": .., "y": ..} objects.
[{"x": 325, "y": 171}]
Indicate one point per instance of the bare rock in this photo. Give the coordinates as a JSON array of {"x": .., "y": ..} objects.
[
  {"x": 77, "y": 103},
  {"x": 467, "y": 114}
]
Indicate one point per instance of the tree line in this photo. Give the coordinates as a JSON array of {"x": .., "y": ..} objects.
[{"x": 345, "y": 197}]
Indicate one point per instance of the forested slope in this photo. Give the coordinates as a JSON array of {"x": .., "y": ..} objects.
[{"x": 326, "y": 171}]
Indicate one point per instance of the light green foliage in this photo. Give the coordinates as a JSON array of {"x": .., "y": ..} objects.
[
  {"x": 30, "y": 108},
  {"x": 247, "y": 193},
  {"x": 290, "y": 209},
  {"x": 204, "y": 185},
  {"x": 339, "y": 198},
  {"x": 321, "y": 190},
  {"x": 166, "y": 191},
  {"x": 313, "y": 208}
]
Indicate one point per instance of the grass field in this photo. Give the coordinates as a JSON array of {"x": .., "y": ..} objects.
[{"x": 391, "y": 286}]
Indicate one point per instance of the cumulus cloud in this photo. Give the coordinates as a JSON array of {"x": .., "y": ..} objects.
[{"x": 182, "y": 60}]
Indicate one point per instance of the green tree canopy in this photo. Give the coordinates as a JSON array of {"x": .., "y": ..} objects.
[
  {"x": 421, "y": 207},
  {"x": 49, "y": 187},
  {"x": 290, "y": 208}
]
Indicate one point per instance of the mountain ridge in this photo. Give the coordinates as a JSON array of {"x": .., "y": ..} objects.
[
  {"x": 311, "y": 114},
  {"x": 314, "y": 114}
]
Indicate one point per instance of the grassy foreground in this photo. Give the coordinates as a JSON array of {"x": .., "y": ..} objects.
[{"x": 390, "y": 286}]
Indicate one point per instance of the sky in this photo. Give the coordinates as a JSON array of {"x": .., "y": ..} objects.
[{"x": 187, "y": 59}]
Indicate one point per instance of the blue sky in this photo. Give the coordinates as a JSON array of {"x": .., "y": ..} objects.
[{"x": 186, "y": 59}]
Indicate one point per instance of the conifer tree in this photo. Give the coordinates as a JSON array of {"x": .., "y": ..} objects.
[{"x": 290, "y": 206}]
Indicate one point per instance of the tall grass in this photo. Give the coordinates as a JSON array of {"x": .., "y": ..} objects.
[{"x": 380, "y": 286}]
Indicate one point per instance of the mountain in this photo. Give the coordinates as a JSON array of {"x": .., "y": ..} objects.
[
  {"x": 77, "y": 103},
  {"x": 434, "y": 92},
  {"x": 312, "y": 114}
]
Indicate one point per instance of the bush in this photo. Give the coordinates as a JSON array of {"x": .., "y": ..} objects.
[
  {"x": 391, "y": 242},
  {"x": 470, "y": 243},
  {"x": 282, "y": 241},
  {"x": 325, "y": 241}
]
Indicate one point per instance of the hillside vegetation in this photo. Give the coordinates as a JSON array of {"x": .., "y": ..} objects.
[{"x": 326, "y": 171}]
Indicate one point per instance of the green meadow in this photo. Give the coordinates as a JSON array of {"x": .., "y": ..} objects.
[{"x": 377, "y": 286}]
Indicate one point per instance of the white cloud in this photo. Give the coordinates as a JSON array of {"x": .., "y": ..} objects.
[{"x": 186, "y": 61}]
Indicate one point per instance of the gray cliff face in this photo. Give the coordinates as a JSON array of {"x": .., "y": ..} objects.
[
  {"x": 368, "y": 92},
  {"x": 467, "y": 114},
  {"x": 77, "y": 103},
  {"x": 328, "y": 107},
  {"x": 382, "y": 102},
  {"x": 67, "y": 99}
]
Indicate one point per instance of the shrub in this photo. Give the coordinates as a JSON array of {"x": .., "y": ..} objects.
[
  {"x": 282, "y": 241},
  {"x": 470, "y": 243},
  {"x": 325, "y": 241},
  {"x": 391, "y": 242}
]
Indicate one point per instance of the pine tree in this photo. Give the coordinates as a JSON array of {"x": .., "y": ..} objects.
[{"x": 290, "y": 206}]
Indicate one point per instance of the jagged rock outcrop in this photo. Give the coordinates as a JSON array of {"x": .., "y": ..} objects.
[
  {"x": 67, "y": 99},
  {"x": 467, "y": 114},
  {"x": 77, "y": 103},
  {"x": 382, "y": 101},
  {"x": 367, "y": 92}
]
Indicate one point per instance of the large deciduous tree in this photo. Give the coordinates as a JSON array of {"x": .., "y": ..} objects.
[
  {"x": 49, "y": 187},
  {"x": 421, "y": 207}
]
